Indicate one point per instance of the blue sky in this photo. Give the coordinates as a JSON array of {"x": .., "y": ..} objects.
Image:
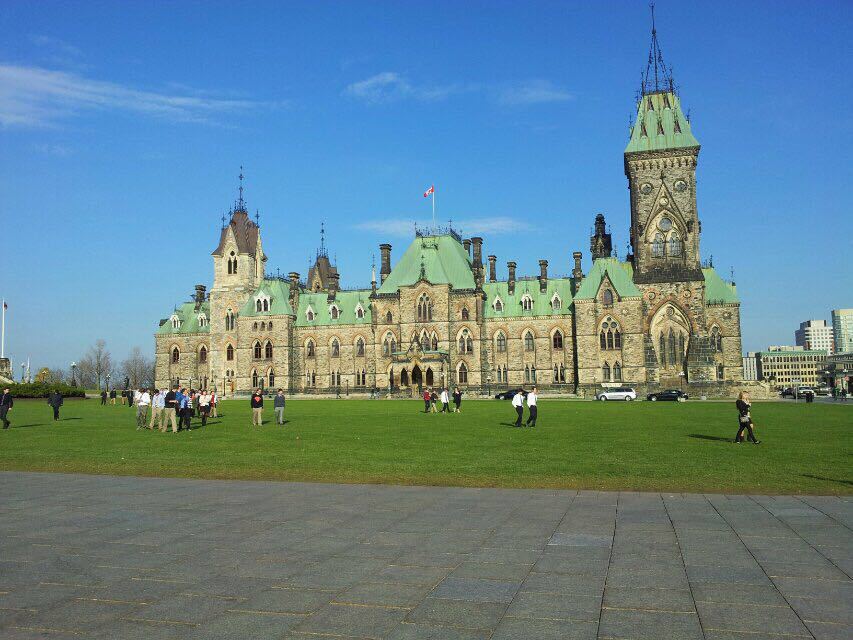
[{"x": 123, "y": 126}]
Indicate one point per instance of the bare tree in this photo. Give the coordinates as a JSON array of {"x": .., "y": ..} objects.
[
  {"x": 93, "y": 367},
  {"x": 138, "y": 368},
  {"x": 56, "y": 376}
]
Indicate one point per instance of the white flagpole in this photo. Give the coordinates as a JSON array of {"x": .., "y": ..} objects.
[
  {"x": 433, "y": 208},
  {"x": 3, "y": 333}
]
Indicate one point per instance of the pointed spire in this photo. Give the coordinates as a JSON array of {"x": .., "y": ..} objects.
[
  {"x": 241, "y": 205},
  {"x": 657, "y": 77},
  {"x": 257, "y": 218}
]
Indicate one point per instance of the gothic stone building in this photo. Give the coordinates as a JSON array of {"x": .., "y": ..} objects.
[{"x": 441, "y": 316}]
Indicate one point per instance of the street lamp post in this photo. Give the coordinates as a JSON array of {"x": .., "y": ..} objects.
[
  {"x": 23, "y": 371},
  {"x": 73, "y": 374},
  {"x": 108, "y": 381}
]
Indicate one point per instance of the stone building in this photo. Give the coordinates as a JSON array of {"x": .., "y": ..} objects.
[{"x": 658, "y": 318}]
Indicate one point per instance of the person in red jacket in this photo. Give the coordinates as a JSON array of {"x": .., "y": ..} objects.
[{"x": 427, "y": 399}]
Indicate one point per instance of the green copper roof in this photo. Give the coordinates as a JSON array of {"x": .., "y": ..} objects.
[
  {"x": 717, "y": 290},
  {"x": 621, "y": 274},
  {"x": 189, "y": 322},
  {"x": 346, "y": 301},
  {"x": 660, "y": 125},
  {"x": 444, "y": 261},
  {"x": 543, "y": 303},
  {"x": 279, "y": 294}
]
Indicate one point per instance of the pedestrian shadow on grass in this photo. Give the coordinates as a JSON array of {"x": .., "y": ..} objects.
[
  {"x": 847, "y": 482},
  {"x": 701, "y": 436},
  {"x": 507, "y": 424}
]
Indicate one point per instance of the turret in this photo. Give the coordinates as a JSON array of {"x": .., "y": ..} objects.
[{"x": 385, "y": 264}]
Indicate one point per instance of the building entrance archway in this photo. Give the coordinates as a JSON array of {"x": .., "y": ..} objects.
[
  {"x": 417, "y": 376},
  {"x": 429, "y": 377},
  {"x": 404, "y": 378}
]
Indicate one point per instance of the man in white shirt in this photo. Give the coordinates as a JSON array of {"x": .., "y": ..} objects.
[
  {"x": 532, "y": 397},
  {"x": 143, "y": 401},
  {"x": 518, "y": 403},
  {"x": 158, "y": 403},
  {"x": 204, "y": 406},
  {"x": 445, "y": 401}
]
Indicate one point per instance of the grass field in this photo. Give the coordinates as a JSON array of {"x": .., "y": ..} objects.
[{"x": 631, "y": 446}]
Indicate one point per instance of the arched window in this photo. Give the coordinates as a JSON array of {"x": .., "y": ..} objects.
[
  {"x": 176, "y": 322},
  {"x": 671, "y": 341},
  {"x": 500, "y": 341},
  {"x": 254, "y": 326},
  {"x": 556, "y": 303},
  {"x": 528, "y": 341},
  {"x": 463, "y": 373},
  {"x": 681, "y": 345},
  {"x": 359, "y": 347},
  {"x": 309, "y": 349},
  {"x": 526, "y": 303},
  {"x": 607, "y": 298},
  {"x": 605, "y": 372},
  {"x": 557, "y": 340},
  {"x": 229, "y": 352},
  {"x": 310, "y": 315},
  {"x": 359, "y": 312},
  {"x": 464, "y": 313},
  {"x": 424, "y": 309},
  {"x": 269, "y": 325},
  {"x": 268, "y": 351},
  {"x": 609, "y": 337},
  {"x": 176, "y": 355},
  {"x": 257, "y": 350},
  {"x": 266, "y": 304},
  {"x": 657, "y": 246},
  {"x": 617, "y": 338},
  {"x": 662, "y": 350},
  {"x": 602, "y": 340},
  {"x": 720, "y": 372},
  {"x": 202, "y": 320},
  {"x": 389, "y": 318},
  {"x": 271, "y": 378},
  {"x": 258, "y": 307},
  {"x": 336, "y": 348},
  {"x": 230, "y": 322},
  {"x": 500, "y": 375},
  {"x": 263, "y": 326},
  {"x": 232, "y": 263},
  {"x": 716, "y": 339},
  {"x": 533, "y": 373},
  {"x": 466, "y": 343},
  {"x": 202, "y": 355},
  {"x": 556, "y": 374},
  {"x": 617, "y": 372},
  {"x": 562, "y": 373},
  {"x": 499, "y": 305},
  {"x": 674, "y": 245},
  {"x": 334, "y": 312},
  {"x": 526, "y": 373},
  {"x": 434, "y": 342},
  {"x": 254, "y": 379}
]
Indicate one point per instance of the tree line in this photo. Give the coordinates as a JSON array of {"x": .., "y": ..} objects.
[{"x": 96, "y": 365}]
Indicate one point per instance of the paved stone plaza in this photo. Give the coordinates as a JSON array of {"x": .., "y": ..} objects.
[{"x": 123, "y": 558}]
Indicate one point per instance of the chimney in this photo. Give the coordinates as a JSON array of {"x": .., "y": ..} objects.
[
  {"x": 294, "y": 288},
  {"x": 334, "y": 284},
  {"x": 577, "y": 272},
  {"x": 493, "y": 273},
  {"x": 478, "y": 251},
  {"x": 511, "y": 280},
  {"x": 385, "y": 268},
  {"x": 467, "y": 244},
  {"x": 543, "y": 276},
  {"x": 199, "y": 295}
]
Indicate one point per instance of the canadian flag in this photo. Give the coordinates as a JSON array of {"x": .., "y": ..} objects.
[{"x": 429, "y": 191}]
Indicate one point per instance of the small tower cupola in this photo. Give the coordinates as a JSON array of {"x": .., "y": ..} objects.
[{"x": 600, "y": 243}]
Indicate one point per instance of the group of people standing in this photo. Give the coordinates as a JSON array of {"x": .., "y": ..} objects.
[
  {"x": 257, "y": 404},
  {"x": 177, "y": 406},
  {"x": 432, "y": 398},
  {"x": 518, "y": 403}
]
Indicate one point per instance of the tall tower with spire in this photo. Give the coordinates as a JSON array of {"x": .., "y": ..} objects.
[{"x": 660, "y": 164}]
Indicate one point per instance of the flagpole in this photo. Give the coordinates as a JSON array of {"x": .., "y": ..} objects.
[
  {"x": 3, "y": 333},
  {"x": 433, "y": 208}
]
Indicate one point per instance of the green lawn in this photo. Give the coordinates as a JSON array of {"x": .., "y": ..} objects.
[{"x": 592, "y": 445}]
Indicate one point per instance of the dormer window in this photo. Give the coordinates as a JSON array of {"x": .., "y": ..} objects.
[
  {"x": 309, "y": 314},
  {"x": 262, "y": 303},
  {"x": 176, "y": 321},
  {"x": 334, "y": 312},
  {"x": 498, "y": 305},
  {"x": 526, "y": 302},
  {"x": 202, "y": 320},
  {"x": 359, "y": 312},
  {"x": 556, "y": 302},
  {"x": 607, "y": 298}
]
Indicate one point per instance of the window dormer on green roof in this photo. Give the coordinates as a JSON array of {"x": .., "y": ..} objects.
[
  {"x": 271, "y": 298},
  {"x": 438, "y": 259},
  {"x": 619, "y": 273},
  {"x": 186, "y": 318},
  {"x": 660, "y": 125}
]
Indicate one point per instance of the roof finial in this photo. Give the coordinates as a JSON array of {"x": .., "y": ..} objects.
[
  {"x": 223, "y": 220},
  {"x": 257, "y": 218},
  {"x": 240, "y": 203},
  {"x": 657, "y": 76}
]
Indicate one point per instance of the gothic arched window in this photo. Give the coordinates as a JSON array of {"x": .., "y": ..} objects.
[
  {"x": 671, "y": 341},
  {"x": 334, "y": 312},
  {"x": 309, "y": 315},
  {"x": 254, "y": 379},
  {"x": 232, "y": 263},
  {"x": 465, "y": 313},
  {"x": 607, "y": 298},
  {"x": 501, "y": 342},
  {"x": 617, "y": 372},
  {"x": 499, "y": 306},
  {"x": 389, "y": 318},
  {"x": 658, "y": 246},
  {"x": 336, "y": 348},
  {"x": 605, "y": 372},
  {"x": 463, "y": 373},
  {"x": 202, "y": 355},
  {"x": 268, "y": 351},
  {"x": 526, "y": 303},
  {"x": 309, "y": 349},
  {"x": 254, "y": 326},
  {"x": 528, "y": 341},
  {"x": 176, "y": 355},
  {"x": 271, "y": 377},
  {"x": 424, "y": 309},
  {"x": 257, "y": 308},
  {"x": 257, "y": 350},
  {"x": 675, "y": 246},
  {"x": 359, "y": 312},
  {"x": 662, "y": 350},
  {"x": 229, "y": 321},
  {"x": 557, "y": 340},
  {"x": 229, "y": 352},
  {"x": 359, "y": 347}
]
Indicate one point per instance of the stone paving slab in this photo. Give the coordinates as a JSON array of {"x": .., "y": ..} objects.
[{"x": 117, "y": 557}]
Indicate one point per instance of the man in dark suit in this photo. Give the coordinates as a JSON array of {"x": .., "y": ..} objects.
[
  {"x": 6, "y": 404},
  {"x": 55, "y": 401}
]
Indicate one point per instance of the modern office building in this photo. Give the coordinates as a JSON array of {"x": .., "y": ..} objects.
[
  {"x": 784, "y": 366},
  {"x": 815, "y": 334},
  {"x": 842, "y": 330},
  {"x": 750, "y": 366}
]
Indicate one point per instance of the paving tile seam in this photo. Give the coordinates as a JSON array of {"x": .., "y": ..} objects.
[
  {"x": 365, "y": 605},
  {"x": 49, "y": 630},
  {"x": 781, "y": 595},
  {"x": 760, "y": 633},
  {"x": 650, "y": 610}
]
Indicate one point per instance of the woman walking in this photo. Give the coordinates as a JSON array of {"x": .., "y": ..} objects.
[{"x": 744, "y": 419}]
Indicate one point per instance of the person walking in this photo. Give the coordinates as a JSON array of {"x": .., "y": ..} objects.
[
  {"x": 186, "y": 410},
  {"x": 532, "y": 398},
  {"x": 143, "y": 401},
  {"x": 170, "y": 407},
  {"x": 433, "y": 401},
  {"x": 445, "y": 401},
  {"x": 158, "y": 404},
  {"x": 103, "y": 397},
  {"x": 457, "y": 400},
  {"x": 278, "y": 405},
  {"x": 204, "y": 406},
  {"x": 214, "y": 400},
  {"x": 55, "y": 401},
  {"x": 113, "y": 396},
  {"x": 744, "y": 418},
  {"x": 6, "y": 404},
  {"x": 427, "y": 397},
  {"x": 132, "y": 397},
  {"x": 123, "y": 397},
  {"x": 518, "y": 403},
  {"x": 257, "y": 404}
]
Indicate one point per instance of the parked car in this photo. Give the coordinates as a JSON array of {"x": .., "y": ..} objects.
[
  {"x": 668, "y": 394},
  {"x": 787, "y": 392},
  {"x": 823, "y": 391},
  {"x": 509, "y": 395},
  {"x": 805, "y": 392},
  {"x": 619, "y": 393}
]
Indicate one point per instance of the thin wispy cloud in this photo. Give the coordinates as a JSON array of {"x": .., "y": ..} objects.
[
  {"x": 55, "y": 44},
  {"x": 405, "y": 227},
  {"x": 534, "y": 92},
  {"x": 57, "y": 150},
  {"x": 37, "y": 97},
  {"x": 390, "y": 86}
]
